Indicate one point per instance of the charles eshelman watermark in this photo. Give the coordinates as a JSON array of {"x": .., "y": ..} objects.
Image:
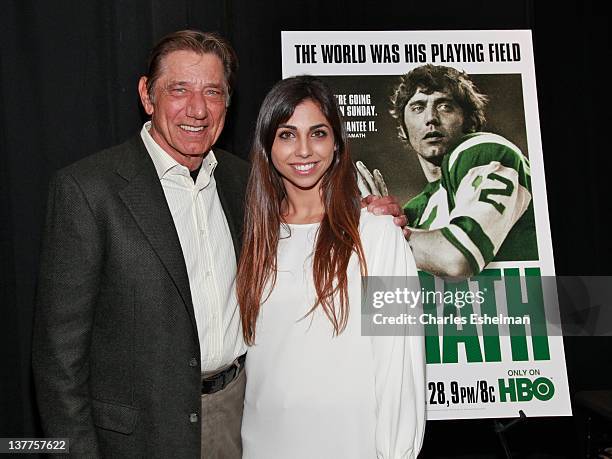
[
  {"x": 398, "y": 305},
  {"x": 497, "y": 302},
  {"x": 431, "y": 319}
]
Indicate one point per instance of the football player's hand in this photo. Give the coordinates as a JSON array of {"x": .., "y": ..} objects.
[
  {"x": 370, "y": 184},
  {"x": 376, "y": 197}
]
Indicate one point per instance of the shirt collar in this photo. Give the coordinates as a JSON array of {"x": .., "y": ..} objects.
[{"x": 164, "y": 163}]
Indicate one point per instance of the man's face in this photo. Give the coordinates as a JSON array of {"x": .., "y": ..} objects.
[
  {"x": 187, "y": 104},
  {"x": 434, "y": 123}
]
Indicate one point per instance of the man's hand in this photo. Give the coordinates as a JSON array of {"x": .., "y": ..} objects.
[
  {"x": 376, "y": 197},
  {"x": 386, "y": 205},
  {"x": 370, "y": 184}
]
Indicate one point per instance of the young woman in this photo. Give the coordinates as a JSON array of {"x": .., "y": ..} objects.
[{"x": 317, "y": 388}]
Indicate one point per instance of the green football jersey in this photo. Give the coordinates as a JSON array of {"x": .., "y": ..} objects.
[{"x": 482, "y": 202}]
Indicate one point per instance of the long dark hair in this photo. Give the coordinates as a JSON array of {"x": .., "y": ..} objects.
[{"x": 338, "y": 235}]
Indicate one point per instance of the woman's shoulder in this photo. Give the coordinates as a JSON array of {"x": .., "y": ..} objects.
[
  {"x": 377, "y": 230},
  {"x": 387, "y": 252},
  {"x": 375, "y": 224}
]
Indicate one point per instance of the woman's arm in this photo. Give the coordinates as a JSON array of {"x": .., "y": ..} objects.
[{"x": 399, "y": 360}]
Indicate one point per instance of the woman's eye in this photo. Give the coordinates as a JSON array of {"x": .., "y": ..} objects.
[
  {"x": 319, "y": 133},
  {"x": 285, "y": 134}
]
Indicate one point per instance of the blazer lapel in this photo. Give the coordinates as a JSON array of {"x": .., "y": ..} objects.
[{"x": 145, "y": 199}]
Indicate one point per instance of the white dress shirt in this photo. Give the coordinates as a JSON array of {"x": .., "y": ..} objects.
[{"x": 208, "y": 251}]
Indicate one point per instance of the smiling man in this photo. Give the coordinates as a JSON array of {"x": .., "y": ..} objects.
[
  {"x": 138, "y": 349},
  {"x": 477, "y": 204},
  {"x": 186, "y": 99}
]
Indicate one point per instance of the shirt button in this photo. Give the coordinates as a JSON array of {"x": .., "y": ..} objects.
[
  {"x": 193, "y": 362},
  {"x": 193, "y": 417}
]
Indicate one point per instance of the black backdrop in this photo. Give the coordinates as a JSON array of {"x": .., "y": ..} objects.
[{"x": 68, "y": 73}]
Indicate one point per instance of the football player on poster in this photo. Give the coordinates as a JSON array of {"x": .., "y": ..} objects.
[{"x": 476, "y": 206}]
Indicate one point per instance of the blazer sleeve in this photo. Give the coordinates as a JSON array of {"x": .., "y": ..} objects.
[{"x": 71, "y": 259}]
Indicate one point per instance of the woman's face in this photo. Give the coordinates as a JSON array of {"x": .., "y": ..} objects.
[{"x": 303, "y": 148}]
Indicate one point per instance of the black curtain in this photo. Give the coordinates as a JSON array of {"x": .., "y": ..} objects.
[{"x": 68, "y": 73}]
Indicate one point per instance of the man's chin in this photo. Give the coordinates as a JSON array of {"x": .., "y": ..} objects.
[
  {"x": 195, "y": 152},
  {"x": 435, "y": 156}
]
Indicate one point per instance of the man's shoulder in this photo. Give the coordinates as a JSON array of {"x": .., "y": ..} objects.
[
  {"x": 231, "y": 169},
  {"x": 481, "y": 148},
  {"x": 107, "y": 172},
  {"x": 106, "y": 161},
  {"x": 230, "y": 160}
]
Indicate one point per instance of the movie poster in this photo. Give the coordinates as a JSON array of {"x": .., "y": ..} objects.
[{"x": 485, "y": 193}]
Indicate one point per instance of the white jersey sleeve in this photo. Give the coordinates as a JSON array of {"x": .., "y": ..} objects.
[{"x": 487, "y": 179}]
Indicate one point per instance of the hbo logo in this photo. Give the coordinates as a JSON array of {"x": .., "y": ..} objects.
[{"x": 523, "y": 389}]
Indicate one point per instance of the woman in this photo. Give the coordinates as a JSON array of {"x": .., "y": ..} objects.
[{"x": 316, "y": 388}]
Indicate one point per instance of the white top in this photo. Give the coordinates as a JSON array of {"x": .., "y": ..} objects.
[
  {"x": 312, "y": 395},
  {"x": 208, "y": 251}
]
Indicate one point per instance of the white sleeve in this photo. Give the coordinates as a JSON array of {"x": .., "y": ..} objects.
[
  {"x": 488, "y": 202},
  {"x": 399, "y": 360}
]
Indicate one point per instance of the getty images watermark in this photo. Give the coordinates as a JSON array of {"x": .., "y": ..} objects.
[{"x": 495, "y": 303}]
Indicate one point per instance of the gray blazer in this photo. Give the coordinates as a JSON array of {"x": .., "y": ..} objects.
[{"x": 116, "y": 356}]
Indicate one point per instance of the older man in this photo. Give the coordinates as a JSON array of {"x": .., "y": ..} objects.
[
  {"x": 137, "y": 343},
  {"x": 137, "y": 347}
]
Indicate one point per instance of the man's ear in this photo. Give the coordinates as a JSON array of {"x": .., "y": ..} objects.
[{"x": 144, "y": 96}]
